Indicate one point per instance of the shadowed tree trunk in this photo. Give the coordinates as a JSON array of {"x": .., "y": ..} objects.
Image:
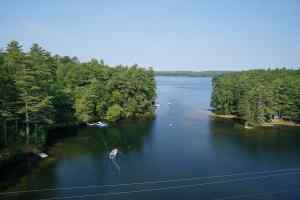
[
  {"x": 17, "y": 126},
  {"x": 5, "y": 132},
  {"x": 27, "y": 123}
]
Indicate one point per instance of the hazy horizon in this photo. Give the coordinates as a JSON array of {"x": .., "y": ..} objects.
[{"x": 167, "y": 35}]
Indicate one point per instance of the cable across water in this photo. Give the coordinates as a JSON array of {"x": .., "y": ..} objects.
[
  {"x": 257, "y": 194},
  {"x": 170, "y": 187},
  {"x": 153, "y": 182}
]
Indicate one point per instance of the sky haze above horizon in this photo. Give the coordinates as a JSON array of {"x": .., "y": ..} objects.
[{"x": 167, "y": 35}]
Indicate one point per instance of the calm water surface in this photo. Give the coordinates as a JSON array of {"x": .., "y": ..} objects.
[{"x": 183, "y": 141}]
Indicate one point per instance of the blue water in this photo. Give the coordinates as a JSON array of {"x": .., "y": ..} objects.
[{"x": 183, "y": 141}]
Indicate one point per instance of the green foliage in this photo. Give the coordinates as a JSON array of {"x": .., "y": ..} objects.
[
  {"x": 258, "y": 96},
  {"x": 40, "y": 91},
  {"x": 114, "y": 112}
]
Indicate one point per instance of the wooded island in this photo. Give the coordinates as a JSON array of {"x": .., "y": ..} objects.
[
  {"x": 40, "y": 91},
  {"x": 259, "y": 97}
]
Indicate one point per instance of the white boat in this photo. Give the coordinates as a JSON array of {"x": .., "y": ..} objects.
[
  {"x": 157, "y": 105},
  {"x": 169, "y": 103},
  {"x": 98, "y": 124},
  {"x": 113, "y": 154},
  {"x": 42, "y": 155},
  {"x": 101, "y": 124},
  {"x": 91, "y": 124}
]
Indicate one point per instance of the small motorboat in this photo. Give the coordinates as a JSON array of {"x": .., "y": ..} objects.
[
  {"x": 157, "y": 105},
  {"x": 98, "y": 124},
  {"x": 42, "y": 155},
  {"x": 101, "y": 124},
  {"x": 169, "y": 103},
  {"x": 113, "y": 154}
]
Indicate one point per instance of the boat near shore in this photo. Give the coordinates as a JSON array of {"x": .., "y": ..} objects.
[
  {"x": 42, "y": 155},
  {"x": 97, "y": 124}
]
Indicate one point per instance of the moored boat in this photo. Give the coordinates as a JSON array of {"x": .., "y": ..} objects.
[
  {"x": 113, "y": 154},
  {"x": 101, "y": 124},
  {"x": 42, "y": 155},
  {"x": 97, "y": 124}
]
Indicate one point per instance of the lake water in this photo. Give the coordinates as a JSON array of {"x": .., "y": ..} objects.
[{"x": 182, "y": 142}]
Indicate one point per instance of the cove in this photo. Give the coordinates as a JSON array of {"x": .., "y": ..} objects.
[{"x": 196, "y": 145}]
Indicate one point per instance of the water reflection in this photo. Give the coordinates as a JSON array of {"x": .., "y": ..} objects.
[
  {"x": 81, "y": 158},
  {"x": 271, "y": 147},
  {"x": 126, "y": 136}
]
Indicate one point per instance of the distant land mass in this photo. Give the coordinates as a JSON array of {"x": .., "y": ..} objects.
[{"x": 191, "y": 73}]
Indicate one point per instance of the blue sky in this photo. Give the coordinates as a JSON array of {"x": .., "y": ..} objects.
[{"x": 164, "y": 34}]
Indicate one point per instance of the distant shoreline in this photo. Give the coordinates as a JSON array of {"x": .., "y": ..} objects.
[
  {"x": 275, "y": 122},
  {"x": 191, "y": 73}
]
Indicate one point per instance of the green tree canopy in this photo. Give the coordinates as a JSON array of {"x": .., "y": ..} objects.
[{"x": 258, "y": 96}]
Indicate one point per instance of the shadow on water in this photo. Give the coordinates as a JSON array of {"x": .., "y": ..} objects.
[
  {"x": 264, "y": 146},
  {"x": 83, "y": 151},
  {"x": 126, "y": 135}
]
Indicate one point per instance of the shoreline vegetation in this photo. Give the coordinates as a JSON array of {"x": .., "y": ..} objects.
[
  {"x": 191, "y": 73},
  {"x": 272, "y": 123},
  {"x": 41, "y": 92},
  {"x": 258, "y": 97}
]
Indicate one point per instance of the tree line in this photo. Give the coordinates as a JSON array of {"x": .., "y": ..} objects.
[
  {"x": 258, "y": 96},
  {"x": 40, "y": 91}
]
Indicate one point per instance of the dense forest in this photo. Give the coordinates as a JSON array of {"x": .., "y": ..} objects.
[
  {"x": 191, "y": 73},
  {"x": 40, "y": 91},
  {"x": 258, "y": 96}
]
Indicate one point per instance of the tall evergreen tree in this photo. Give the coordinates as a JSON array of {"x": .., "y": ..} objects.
[
  {"x": 34, "y": 84},
  {"x": 12, "y": 62}
]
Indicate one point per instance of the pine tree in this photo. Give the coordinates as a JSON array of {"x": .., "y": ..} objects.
[
  {"x": 12, "y": 62},
  {"x": 34, "y": 84}
]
